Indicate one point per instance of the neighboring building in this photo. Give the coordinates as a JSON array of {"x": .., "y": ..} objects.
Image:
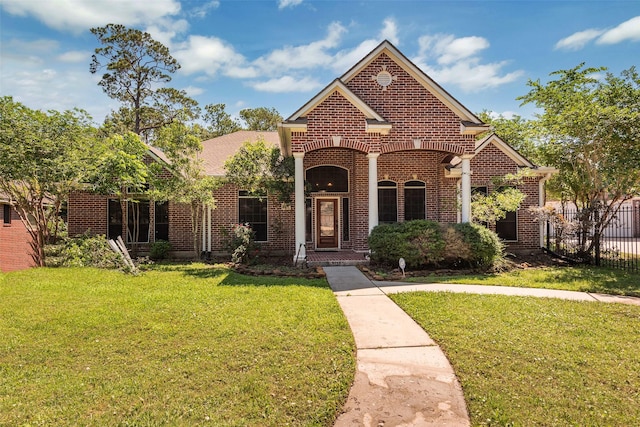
[
  {"x": 382, "y": 143},
  {"x": 15, "y": 247}
]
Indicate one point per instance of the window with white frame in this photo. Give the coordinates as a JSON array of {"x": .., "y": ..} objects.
[
  {"x": 414, "y": 200},
  {"x": 387, "y": 202},
  {"x": 252, "y": 210}
]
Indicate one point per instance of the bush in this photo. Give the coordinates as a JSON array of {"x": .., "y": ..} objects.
[
  {"x": 427, "y": 243},
  {"x": 159, "y": 250},
  {"x": 241, "y": 243}
]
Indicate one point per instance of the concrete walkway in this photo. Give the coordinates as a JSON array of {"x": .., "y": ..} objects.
[{"x": 403, "y": 378}]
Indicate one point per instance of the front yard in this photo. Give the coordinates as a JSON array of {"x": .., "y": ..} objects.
[
  {"x": 525, "y": 361},
  {"x": 189, "y": 345}
]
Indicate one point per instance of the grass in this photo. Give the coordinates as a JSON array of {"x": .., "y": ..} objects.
[
  {"x": 583, "y": 278},
  {"x": 527, "y": 361},
  {"x": 190, "y": 345}
]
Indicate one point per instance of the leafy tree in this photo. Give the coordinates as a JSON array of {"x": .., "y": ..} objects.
[
  {"x": 135, "y": 69},
  {"x": 219, "y": 121},
  {"x": 257, "y": 168},
  {"x": 589, "y": 129},
  {"x": 517, "y": 131},
  {"x": 261, "y": 118},
  {"x": 187, "y": 183},
  {"x": 43, "y": 156},
  {"x": 490, "y": 208}
]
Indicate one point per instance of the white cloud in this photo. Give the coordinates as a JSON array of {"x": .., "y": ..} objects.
[
  {"x": 390, "y": 31},
  {"x": 75, "y": 56},
  {"x": 164, "y": 30},
  {"x": 78, "y": 15},
  {"x": 282, "y": 4},
  {"x": 577, "y": 41},
  {"x": 287, "y": 84},
  {"x": 193, "y": 90},
  {"x": 448, "y": 49},
  {"x": 628, "y": 30},
  {"x": 457, "y": 62},
  {"x": 314, "y": 54},
  {"x": 346, "y": 58},
  {"x": 210, "y": 55},
  {"x": 202, "y": 10}
]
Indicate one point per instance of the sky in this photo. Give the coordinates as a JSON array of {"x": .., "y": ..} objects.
[{"x": 281, "y": 53}]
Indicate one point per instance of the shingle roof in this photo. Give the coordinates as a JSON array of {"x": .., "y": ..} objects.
[{"x": 216, "y": 151}]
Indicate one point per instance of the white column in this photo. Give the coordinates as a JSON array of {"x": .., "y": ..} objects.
[
  {"x": 204, "y": 229},
  {"x": 466, "y": 189},
  {"x": 300, "y": 215},
  {"x": 209, "y": 229},
  {"x": 373, "y": 190}
]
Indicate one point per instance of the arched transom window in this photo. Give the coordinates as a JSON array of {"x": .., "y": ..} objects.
[{"x": 332, "y": 179}]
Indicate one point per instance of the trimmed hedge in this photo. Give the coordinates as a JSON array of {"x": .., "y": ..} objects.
[{"x": 428, "y": 243}]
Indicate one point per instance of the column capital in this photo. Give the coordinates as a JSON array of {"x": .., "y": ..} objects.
[
  {"x": 373, "y": 155},
  {"x": 298, "y": 154},
  {"x": 467, "y": 156}
]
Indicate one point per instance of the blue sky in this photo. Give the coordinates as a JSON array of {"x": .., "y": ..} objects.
[{"x": 279, "y": 54}]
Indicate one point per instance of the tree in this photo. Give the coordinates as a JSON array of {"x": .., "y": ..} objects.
[
  {"x": 219, "y": 121},
  {"x": 135, "y": 69},
  {"x": 589, "y": 129},
  {"x": 43, "y": 156},
  {"x": 487, "y": 209},
  {"x": 187, "y": 183},
  {"x": 258, "y": 169},
  {"x": 517, "y": 131},
  {"x": 261, "y": 118}
]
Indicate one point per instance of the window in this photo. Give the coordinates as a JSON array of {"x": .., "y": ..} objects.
[
  {"x": 252, "y": 210},
  {"x": 345, "y": 219},
  {"x": 114, "y": 219},
  {"x": 328, "y": 178},
  {"x": 308, "y": 223},
  {"x": 414, "y": 200},
  {"x": 387, "y": 202},
  {"x": 6, "y": 212},
  {"x": 477, "y": 192},
  {"x": 138, "y": 221},
  {"x": 162, "y": 220},
  {"x": 507, "y": 228}
]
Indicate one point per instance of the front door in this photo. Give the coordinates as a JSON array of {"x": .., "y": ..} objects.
[{"x": 327, "y": 223}]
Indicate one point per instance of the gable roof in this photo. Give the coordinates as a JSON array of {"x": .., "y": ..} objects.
[
  {"x": 216, "y": 151},
  {"x": 392, "y": 52},
  {"x": 502, "y": 145}
]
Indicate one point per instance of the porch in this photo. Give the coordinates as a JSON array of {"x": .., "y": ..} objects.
[{"x": 335, "y": 258}]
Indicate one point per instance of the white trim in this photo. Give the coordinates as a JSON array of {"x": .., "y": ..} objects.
[
  {"x": 335, "y": 86},
  {"x": 299, "y": 250},
  {"x": 373, "y": 190}
]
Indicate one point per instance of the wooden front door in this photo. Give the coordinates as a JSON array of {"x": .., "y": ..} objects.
[{"x": 327, "y": 223}]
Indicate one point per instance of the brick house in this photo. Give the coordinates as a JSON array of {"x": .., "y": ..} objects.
[
  {"x": 15, "y": 241},
  {"x": 381, "y": 143}
]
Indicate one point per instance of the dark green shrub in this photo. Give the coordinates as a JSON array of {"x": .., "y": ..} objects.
[
  {"x": 427, "y": 243},
  {"x": 159, "y": 250},
  {"x": 419, "y": 242},
  {"x": 485, "y": 246}
]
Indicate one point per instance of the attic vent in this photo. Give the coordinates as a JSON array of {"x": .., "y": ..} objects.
[{"x": 384, "y": 78}]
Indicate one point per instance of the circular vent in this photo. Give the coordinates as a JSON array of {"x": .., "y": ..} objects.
[{"x": 384, "y": 78}]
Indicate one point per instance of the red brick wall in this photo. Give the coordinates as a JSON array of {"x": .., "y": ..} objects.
[{"x": 15, "y": 248}]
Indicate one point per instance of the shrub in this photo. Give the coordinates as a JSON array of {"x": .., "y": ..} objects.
[
  {"x": 241, "y": 243},
  {"x": 485, "y": 247},
  {"x": 427, "y": 243},
  {"x": 159, "y": 249}
]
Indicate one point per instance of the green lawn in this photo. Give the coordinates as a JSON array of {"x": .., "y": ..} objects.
[
  {"x": 537, "y": 362},
  {"x": 190, "y": 345},
  {"x": 584, "y": 279}
]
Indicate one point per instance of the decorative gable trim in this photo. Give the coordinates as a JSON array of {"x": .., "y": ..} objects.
[
  {"x": 336, "y": 86},
  {"x": 508, "y": 150},
  {"x": 392, "y": 52}
]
